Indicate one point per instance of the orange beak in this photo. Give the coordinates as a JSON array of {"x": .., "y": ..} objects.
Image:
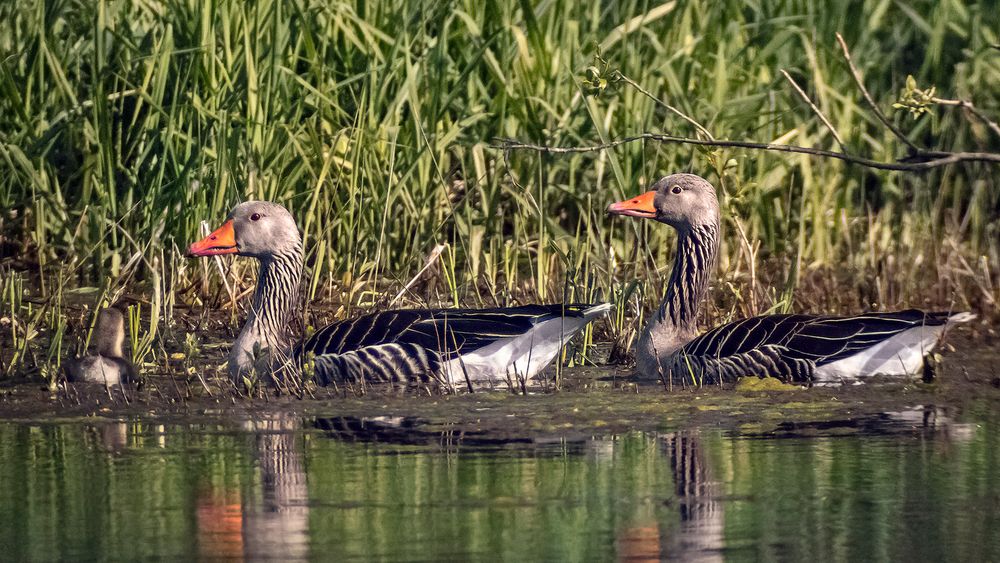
[
  {"x": 641, "y": 206},
  {"x": 221, "y": 241}
]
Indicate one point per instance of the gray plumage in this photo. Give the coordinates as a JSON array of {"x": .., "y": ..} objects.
[{"x": 107, "y": 365}]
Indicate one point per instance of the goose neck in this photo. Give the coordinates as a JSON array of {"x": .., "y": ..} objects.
[
  {"x": 697, "y": 247},
  {"x": 275, "y": 298}
]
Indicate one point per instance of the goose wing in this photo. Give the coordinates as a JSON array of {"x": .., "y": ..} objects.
[
  {"x": 817, "y": 339},
  {"x": 447, "y": 331}
]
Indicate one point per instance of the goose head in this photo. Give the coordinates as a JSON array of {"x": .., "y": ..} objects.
[
  {"x": 259, "y": 229},
  {"x": 682, "y": 201},
  {"x": 109, "y": 333}
]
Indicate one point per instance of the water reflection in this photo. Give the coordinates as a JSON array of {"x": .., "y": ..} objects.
[
  {"x": 925, "y": 420},
  {"x": 112, "y": 436},
  {"x": 902, "y": 485},
  {"x": 274, "y": 524},
  {"x": 220, "y": 524},
  {"x": 412, "y": 431},
  {"x": 278, "y": 528},
  {"x": 699, "y": 536}
]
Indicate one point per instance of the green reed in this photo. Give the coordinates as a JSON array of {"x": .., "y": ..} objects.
[{"x": 373, "y": 123}]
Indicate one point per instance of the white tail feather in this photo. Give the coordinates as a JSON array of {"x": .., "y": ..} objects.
[
  {"x": 520, "y": 356},
  {"x": 903, "y": 354},
  {"x": 597, "y": 311}
]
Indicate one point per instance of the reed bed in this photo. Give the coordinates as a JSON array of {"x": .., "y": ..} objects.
[{"x": 126, "y": 125}]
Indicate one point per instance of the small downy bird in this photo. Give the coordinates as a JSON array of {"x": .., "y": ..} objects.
[
  {"x": 108, "y": 365},
  {"x": 405, "y": 346},
  {"x": 796, "y": 348}
]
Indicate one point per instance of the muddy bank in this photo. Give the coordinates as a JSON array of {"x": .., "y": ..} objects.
[{"x": 591, "y": 400}]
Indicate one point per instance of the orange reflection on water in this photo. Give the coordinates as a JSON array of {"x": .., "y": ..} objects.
[{"x": 220, "y": 524}]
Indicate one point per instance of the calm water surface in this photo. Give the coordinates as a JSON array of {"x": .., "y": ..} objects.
[{"x": 903, "y": 486}]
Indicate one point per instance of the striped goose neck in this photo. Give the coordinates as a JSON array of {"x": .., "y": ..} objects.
[
  {"x": 697, "y": 247},
  {"x": 276, "y": 296}
]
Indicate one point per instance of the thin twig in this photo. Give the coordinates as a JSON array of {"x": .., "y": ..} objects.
[
  {"x": 871, "y": 101},
  {"x": 972, "y": 109},
  {"x": 669, "y": 107},
  {"x": 431, "y": 258},
  {"x": 816, "y": 110},
  {"x": 933, "y": 159}
]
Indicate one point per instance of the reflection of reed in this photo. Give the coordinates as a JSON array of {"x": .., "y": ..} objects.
[
  {"x": 700, "y": 537},
  {"x": 275, "y": 527},
  {"x": 279, "y": 527}
]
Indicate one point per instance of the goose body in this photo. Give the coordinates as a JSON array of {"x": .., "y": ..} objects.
[
  {"x": 798, "y": 348},
  {"x": 108, "y": 365},
  {"x": 822, "y": 349},
  {"x": 448, "y": 346}
]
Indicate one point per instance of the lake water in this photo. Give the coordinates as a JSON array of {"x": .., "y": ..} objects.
[{"x": 913, "y": 485}]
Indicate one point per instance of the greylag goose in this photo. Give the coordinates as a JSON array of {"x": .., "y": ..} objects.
[
  {"x": 108, "y": 365},
  {"x": 799, "y": 348},
  {"x": 451, "y": 346}
]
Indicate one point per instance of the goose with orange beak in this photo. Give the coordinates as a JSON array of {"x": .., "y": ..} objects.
[
  {"x": 796, "y": 348},
  {"x": 444, "y": 346}
]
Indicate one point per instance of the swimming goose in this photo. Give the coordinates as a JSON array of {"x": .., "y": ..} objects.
[
  {"x": 108, "y": 365},
  {"x": 452, "y": 346},
  {"x": 800, "y": 348}
]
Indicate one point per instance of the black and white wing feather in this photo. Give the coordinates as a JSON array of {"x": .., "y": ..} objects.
[
  {"x": 412, "y": 344},
  {"x": 791, "y": 347}
]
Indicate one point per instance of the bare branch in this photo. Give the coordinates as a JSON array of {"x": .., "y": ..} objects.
[
  {"x": 816, "y": 111},
  {"x": 972, "y": 109},
  {"x": 871, "y": 101},
  {"x": 933, "y": 159},
  {"x": 917, "y": 160},
  {"x": 671, "y": 108}
]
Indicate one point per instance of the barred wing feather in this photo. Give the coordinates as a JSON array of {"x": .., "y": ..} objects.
[
  {"x": 415, "y": 344},
  {"x": 817, "y": 339},
  {"x": 447, "y": 331}
]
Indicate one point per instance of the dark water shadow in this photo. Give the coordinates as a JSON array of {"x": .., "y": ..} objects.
[
  {"x": 921, "y": 420},
  {"x": 414, "y": 431}
]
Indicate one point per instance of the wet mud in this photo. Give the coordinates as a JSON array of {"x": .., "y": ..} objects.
[{"x": 589, "y": 401}]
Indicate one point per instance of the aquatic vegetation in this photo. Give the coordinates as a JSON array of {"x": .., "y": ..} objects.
[{"x": 751, "y": 384}]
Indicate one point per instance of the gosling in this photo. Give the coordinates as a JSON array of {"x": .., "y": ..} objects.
[{"x": 107, "y": 366}]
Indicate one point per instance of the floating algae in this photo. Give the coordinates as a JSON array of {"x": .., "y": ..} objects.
[{"x": 764, "y": 384}]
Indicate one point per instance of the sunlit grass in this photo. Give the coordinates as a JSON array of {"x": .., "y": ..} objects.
[{"x": 124, "y": 125}]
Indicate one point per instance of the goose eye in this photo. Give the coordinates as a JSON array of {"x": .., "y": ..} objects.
[
  {"x": 255, "y": 217},
  {"x": 676, "y": 189}
]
